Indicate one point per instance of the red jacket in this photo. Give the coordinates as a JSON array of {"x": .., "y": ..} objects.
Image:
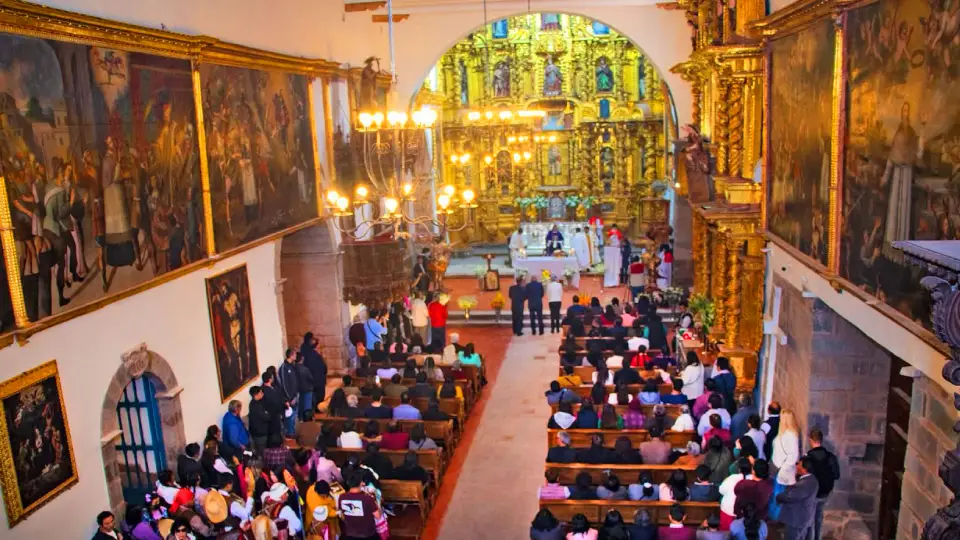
[
  {"x": 395, "y": 441},
  {"x": 438, "y": 314}
]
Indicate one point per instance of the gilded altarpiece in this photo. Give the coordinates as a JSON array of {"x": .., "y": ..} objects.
[{"x": 599, "y": 147}]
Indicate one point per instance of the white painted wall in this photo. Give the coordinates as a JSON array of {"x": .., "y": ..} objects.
[
  {"x": 320, "y": 29},
  {"x": 173, "y": 321},
  {"x": 875, "y": 325}
]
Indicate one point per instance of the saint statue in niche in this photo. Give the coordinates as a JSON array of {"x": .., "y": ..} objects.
[
  {"x": 552, "y": 79},
  {"x": 604, "y": 76},
  {"x": 554, "y": 167},
  {"x": 550, "y": 21},
  {"x": 464, "y": 83},
  {"x": 606, "y": 164},
  {"x": 501, "y": 79}
]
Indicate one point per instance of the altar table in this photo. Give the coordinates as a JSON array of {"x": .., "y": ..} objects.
[{"x": 555, "y": 265}]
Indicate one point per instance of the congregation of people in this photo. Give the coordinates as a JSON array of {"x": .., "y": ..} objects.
[{"x": 624, "y": 401}]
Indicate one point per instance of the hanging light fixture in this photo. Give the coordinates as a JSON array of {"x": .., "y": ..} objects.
[{"x": 397, "y": 165}]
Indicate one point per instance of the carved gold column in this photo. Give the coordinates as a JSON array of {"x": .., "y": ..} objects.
[
  {"x": 652, "y": 82},
  {"x": 747, "y": 12},
  {"x": 11, "y": 260},
  {"x": 751, "y": 296},
  {"x": 721, "y": 131},
  {"x": 695, "y": 108},
  {"x": 328, "y": 129},
  {"x": 650, "y": 153},
  {"x": 735, "y": 129},
  {"x": 718, "y": 275},
  {"x": 701, "y": 268},
  {"x": 734, "y": 247},
  {"x": 204, "y": 165},
  {"x": 752, "y": 124}
]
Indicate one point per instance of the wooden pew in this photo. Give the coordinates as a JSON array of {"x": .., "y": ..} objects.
[
  {"x": 586, "y": 372},
  {"x": 581, "y": 438},
  {"x": 452, "y": 406},
  {"x": 441, "y": 432},
  {"x": 673, "y": 411},
  {"x": 431, "y": 460},
  {"x": 408, "y": 492},
  {"x": 466, "y": 387},
  {"x": 595, "y": 511},
  {"x": 628, "y": 474},
  {"x": 584, "y": 390}
]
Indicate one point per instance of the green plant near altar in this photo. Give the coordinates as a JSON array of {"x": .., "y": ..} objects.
[
  {"x": 704, "y": 311},
  {"x": 569, "y": 272},
  {"x": 480, "y": 271},
  {"x": 537, "y": 201},
  {"x": 600, "y": 267}
]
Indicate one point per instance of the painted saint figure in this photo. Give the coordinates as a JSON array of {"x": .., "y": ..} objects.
[
  {"x": 554, "y": 165},
  {"x": 552, "y": 79},
  {"x": 604, "y": 76},
  {"x": 501, "y": 79},
  {"x": 464, "y": 83},
  {"x": 550, "y": 21},
  {"x": 898, "y": 179}
]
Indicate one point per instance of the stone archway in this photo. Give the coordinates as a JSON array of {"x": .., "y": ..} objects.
[{"x": 137, "y": 362}]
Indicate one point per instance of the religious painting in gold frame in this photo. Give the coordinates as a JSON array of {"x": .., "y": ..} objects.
[
  {"x": 37, "y": 462},
  {"x": 801, "y": 114},
  {"x": 231, "y": 326}
]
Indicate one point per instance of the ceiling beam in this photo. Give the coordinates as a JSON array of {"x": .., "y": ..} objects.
[
  {"x": 352, "y": 7},
  {"x": 397, "y": 17}
]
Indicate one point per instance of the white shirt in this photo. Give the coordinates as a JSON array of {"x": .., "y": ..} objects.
[
  {"x": 293, "y": 522},
  {"x": 634, "y": 343},
  {"x": 449, "y": 355},
  {"x": 612, "y": 399},
  {"x": 728, "y": 499},
  {"x": 419, "y": 313},
  {"x": 684, "y": 423},
  {"x": 516, "y": 241},
  {"x": 760, "y": 439},
  {"x": 554, "y": 292},
  {"x": 692, "y": 377},
  {"x": 350, "y": 439},
  {"x": 704, "y": 424},
  {"x": 609, "y": 377},
  {"x": 241, "y": 511},
  {"x": 386, "y": 374},
  {"x": 615, "y": 361},
  {"x": 786, "y": 452},
  {"x": 167, "y": 492}
]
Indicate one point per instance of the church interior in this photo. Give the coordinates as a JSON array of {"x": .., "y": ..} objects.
[{"x": 739, "y": 220}]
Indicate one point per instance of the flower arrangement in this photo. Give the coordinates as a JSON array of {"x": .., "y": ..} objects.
[
  {"x": 520, "y": 273},
  {"x": 673, "y": 295},
  {"x": 545, "y": 276},
  {"x": 480, "y": 271},
  {"x": 599, "y": 268},
  {"x": 467, "y": 302},
  {"x": 704, "y": 311},
  {"x": 537, "y": 201},
  {"x": 569, "y": 272},
  {"x": 498, "y": 301}
]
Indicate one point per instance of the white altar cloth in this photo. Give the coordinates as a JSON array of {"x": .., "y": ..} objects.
[{"x": 556, "y": 266}]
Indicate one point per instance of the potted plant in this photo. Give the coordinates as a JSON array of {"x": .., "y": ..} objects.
[
  {"x": 568, "y": 273},
  {"x": 481, "y": 272},
  {"x": 497, "y": 303},
  {"x": 704, "y": 312},
  {"x": 466, "y": 303}
]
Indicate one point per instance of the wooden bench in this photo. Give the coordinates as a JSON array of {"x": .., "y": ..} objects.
[
  {"x": 628, "y": 474},
  {"x": 673, "y": 411},
  {"x": 466, "y": 387},
  {"x": 409, "y": 492},
  {"x": 586, "y": 372},
  {"x": 441, "y": 432},
  {"x": 659, "y": 511},
  {"x": 431, "y": 460},
  {"x": 452, "y": 406},
  {"x": 581, "y": 438},
  {"x": 634, "y": 389}
]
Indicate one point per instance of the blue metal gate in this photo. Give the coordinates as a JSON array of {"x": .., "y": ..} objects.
[{"x": 140, "y": 452}]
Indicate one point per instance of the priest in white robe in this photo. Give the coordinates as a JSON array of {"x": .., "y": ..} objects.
[
  {"x": 611, "y": 261},
  {"x": 517, "y": 244},
  {"x": 581, "y": 249}
]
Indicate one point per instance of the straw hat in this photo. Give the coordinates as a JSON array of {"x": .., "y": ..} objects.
[
  {"x": 164, "y": 526},
  {"x": 215, "y": 506}
]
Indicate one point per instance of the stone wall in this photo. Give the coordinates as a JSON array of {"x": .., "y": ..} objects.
[
  {"x": 833, "y": 377},
  {"x": 313, "y": 292},
  {"x": 930, "y": 436}
]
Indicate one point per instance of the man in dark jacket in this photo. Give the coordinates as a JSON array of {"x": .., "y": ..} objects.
[
  {"x": 826, "y": 469},
  {"x": 798, "y": 503},
  {"x": 627, "y": 375},
  {"x": 275, "y": 403},
  {"x": 289, "y": 375},
  {"x": 258, "y": 420},
  {"x": 562, "y": 453},
  {"x": 422, "y": 389},
  {"x": 517, "y": 297},
  {"x": 188, "y": 464},
  {"x": 596, "y": 453},
  {"x": 534, "y": 292},
  {"x": 306, "y": 385},
  {"x": 771, "y": 427},
  {"x": 576, "y": 309},
  {"x": 317, "y": 366}
]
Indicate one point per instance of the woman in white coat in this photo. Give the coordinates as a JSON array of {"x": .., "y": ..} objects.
[
  {"x": 693, "y": 376},
  {"x": 786, "y": 453}
]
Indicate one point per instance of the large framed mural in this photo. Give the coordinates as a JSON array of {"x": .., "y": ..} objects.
[
  {"x": 259, "y": 150},
  {"x": 231, "y": 323},
  {"x": 36, "y": 451},
  {"x": 902, "y": 177},
  {"x": 100, "y": 154},
  {"x": 800, "y": 123}
]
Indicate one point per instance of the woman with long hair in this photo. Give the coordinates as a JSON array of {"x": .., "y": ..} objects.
[
  {"x": 433, "y": 372},
  {"x": 651, "y": 392},
  {"x": 748, "y": 526},
  {"x": 692, "y": 377},
  {"x": 675, "y": 488},
  {"x": 726, "y": 381},
  {"x": 599, "y": 391},
  {"x": 587, "y": 417},
  {"x": 621, "y": 395},
  {"x": 786, "y": 452},
  {"x": 338, "y": 403},
  {"x": 609, "y": 419},
  {"x": 546, "y": 527},
  {"x": 613, "y": 527}
]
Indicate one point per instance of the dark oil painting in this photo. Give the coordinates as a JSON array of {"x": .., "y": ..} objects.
[
  {"x": 37, "y": 438},
  {"x": 99, "y": 151},
  {"x": 259, "y": 150},
  {"x": 231, "y": 323},
  {"x": 902, "y": 170},
  {"x": 800, "y": 124}
]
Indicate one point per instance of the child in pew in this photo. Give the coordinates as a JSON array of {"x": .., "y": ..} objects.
[
  {"x": 703, "y": 490},
  {"x": 552, "y": 490},
  {"x": 580, "y": 529},
  {"x": 645, "y": 489},
  {"x": 643, "y": 527},
  {"x": 613, "y": 527},
  {"x": 612, "y": 490}
]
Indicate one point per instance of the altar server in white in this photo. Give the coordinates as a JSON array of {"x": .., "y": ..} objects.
[
  {"x": 581, "y": 248},
  {"x": 516, "y": 244},
  {"x": 611, "y": 261}
]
